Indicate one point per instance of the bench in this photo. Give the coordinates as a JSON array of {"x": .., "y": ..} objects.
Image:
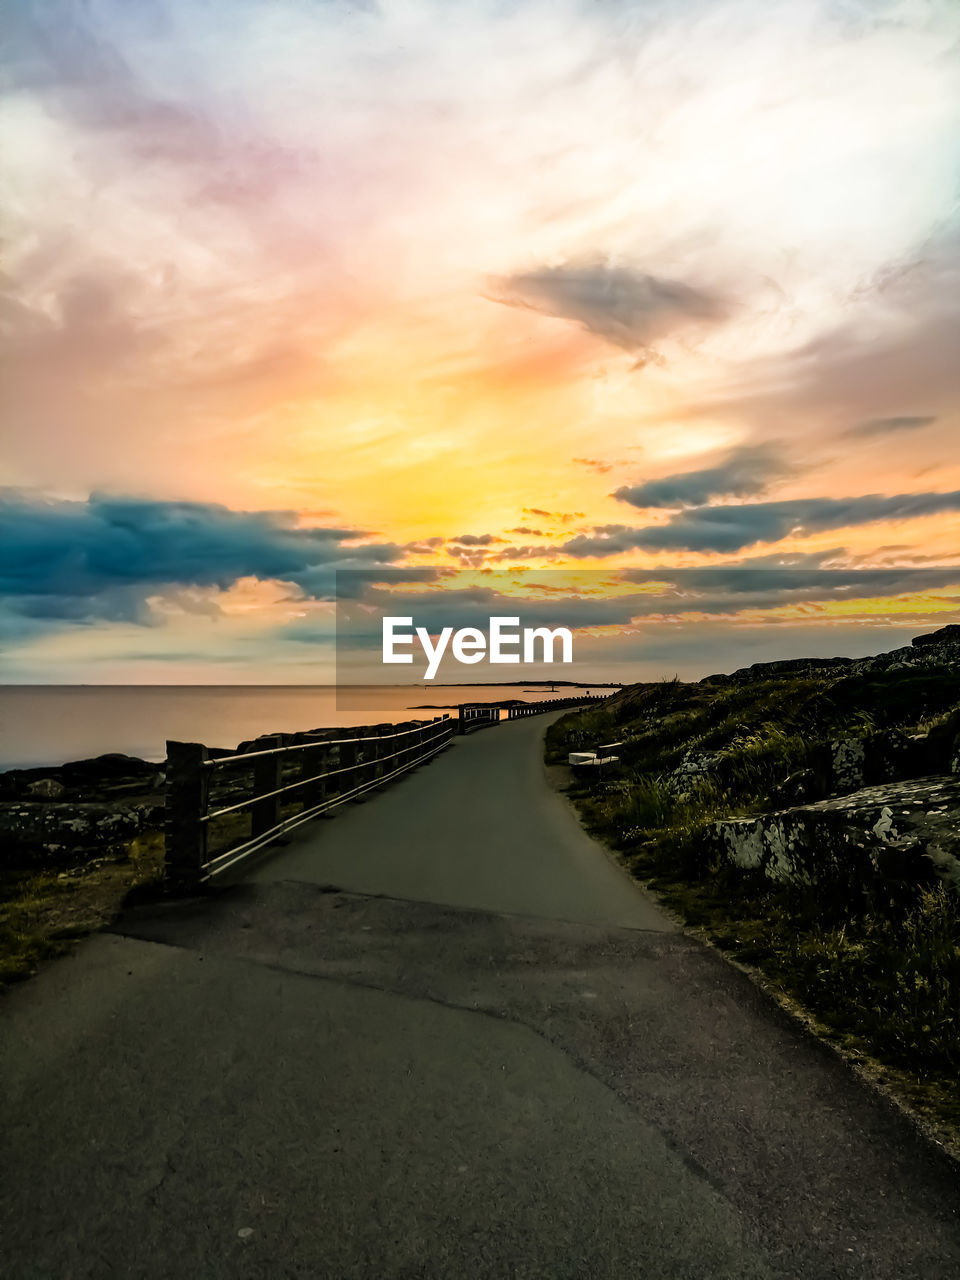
[{"x": 601, "y": 759}]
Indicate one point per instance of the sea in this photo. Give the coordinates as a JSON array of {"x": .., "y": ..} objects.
[{"x": 51, "y": 724}]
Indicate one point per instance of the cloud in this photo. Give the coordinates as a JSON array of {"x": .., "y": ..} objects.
[
  {"x": 423, "y": 546},
  {"x": 567, "y": 517},
  {"x": 893, "y": 343},
  {"x": 775, "y": 579},
  {"x": 732, "y": 528},
  {"x": 887, "y": 426},
  {"x": 746, "y": 473},
  {"x": 476, "y": 539},
  {"x": 557, "y": 598},
  {"x": 628, "y": 308},
  {"x": 594, "y": 464},
  {"x": 101, "y": 559}
]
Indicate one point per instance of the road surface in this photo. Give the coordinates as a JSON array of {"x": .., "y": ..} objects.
[
  {"x": 506, "y": 1065},
  {"x": 479, "y": 827}
]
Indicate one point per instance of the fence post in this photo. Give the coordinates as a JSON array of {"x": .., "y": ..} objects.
[
  {"x": 347, "y": 760},
  {"x": 185, "y": 803},
  {"x": 313, "y": 760},
  {"x": 265, "y": 814},
  {"x": 368, "y": 769}
]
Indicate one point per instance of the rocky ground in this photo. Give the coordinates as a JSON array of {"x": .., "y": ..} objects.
[
  {"x": 75, "y": 840},
  {"x": 84, "y": 808}
]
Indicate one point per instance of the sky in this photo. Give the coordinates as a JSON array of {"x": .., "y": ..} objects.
[{"x": 484, "y": 289}]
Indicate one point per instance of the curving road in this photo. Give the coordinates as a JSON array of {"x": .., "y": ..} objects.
[
  {"x": 480, "y": 826},
  {"x": 507, "y": 1065}
]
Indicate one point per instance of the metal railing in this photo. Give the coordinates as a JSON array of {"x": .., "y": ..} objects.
[
  {"x": 329, "y": 771},
  {"x": 475, "y": 717},
  {"x": 212, "y": 824},
  {"x": 553, "y": 704}
]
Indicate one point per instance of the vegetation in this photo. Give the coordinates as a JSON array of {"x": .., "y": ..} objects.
[
  {"x": 44, "y": 911},
  {"x": 883, "y": 984}
]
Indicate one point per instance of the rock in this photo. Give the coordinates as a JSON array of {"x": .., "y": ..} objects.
[
  {"x": 799, "y": 787},
  {"x": 697, "y": 763},
  {"x": 885, "y": 841},
  {"x": 847, "y": 758},
  {"x": 104, "y": 777},
  {"x": 779, "y": 668},
  {"x": 936, "y": 649},
  {"x": 39, "y": 833},
  {"x": 949, "y": 635},
  {"x": 46, "y": 789}
]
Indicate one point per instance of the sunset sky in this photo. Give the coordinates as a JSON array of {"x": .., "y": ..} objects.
[{"x": 291, "y": 287}]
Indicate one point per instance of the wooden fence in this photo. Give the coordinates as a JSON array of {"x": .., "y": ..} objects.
[
  {"x": 476, "y": 715},
  {"x": 553, "y": 704},
  {"x": 222, "y": 806}
]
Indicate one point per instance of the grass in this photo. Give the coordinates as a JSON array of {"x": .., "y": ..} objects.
[
  {"x": 43, "y": 913},
  {"x": 882, "y": 983}
]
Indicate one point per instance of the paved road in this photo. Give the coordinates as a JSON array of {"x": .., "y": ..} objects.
[
  {"x": 480, "y": 826},
  {"x": 290, "y": 1081}
]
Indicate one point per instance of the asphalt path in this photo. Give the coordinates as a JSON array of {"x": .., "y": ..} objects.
[
  {"x": 430, "y": 1074},
  {"x": 481, "y": 826}
]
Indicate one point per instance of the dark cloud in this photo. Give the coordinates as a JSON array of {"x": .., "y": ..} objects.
[
  {"x": 746, "y": 473},
  {"x": 423, "y": 546},
  {"x": 556, "y": 597},
  {"x": 887, "y": 426},
  {"x": 630, "y": 309},
  {"x": 102, "y": 559},
  {"x": 733, "y": 528},
  {"x": 767, "y": 580},
  {"x": 476, "y": 539},
  {"x": 468, "y": 557}
]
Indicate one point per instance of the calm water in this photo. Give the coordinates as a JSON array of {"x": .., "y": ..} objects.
[{"x": 49, "y": 724}]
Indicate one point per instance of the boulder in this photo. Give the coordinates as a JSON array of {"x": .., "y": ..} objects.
[
  {"x": 46, "y": 789},
  {"x": 886, "y": 840},
  {"x": 106, "y": 777}
]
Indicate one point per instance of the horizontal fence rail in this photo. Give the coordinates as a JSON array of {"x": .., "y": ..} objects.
[
  {"x": 475, "y": 715},
  {"x": 206, "y": 807},
  {"x": 553, "y": 704},
  {"x": 223, "y": 806},
  {"x": 469, "y": 718}
]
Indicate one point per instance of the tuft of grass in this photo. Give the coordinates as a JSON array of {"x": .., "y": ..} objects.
[{"x": 43, "y": 913}]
